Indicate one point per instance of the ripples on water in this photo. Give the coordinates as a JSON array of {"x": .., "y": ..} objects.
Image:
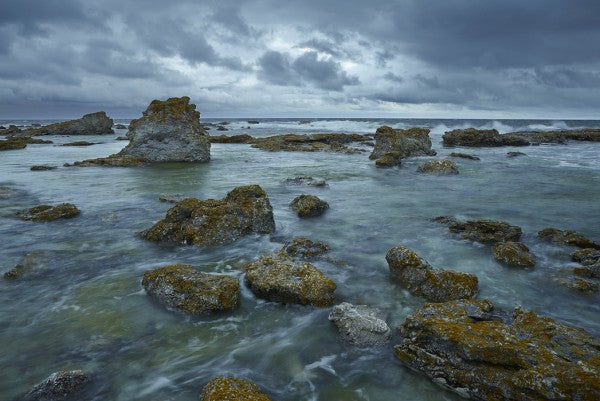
[{"x": 86, "y": 309}]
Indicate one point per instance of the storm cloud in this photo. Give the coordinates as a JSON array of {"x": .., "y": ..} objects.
[{"x": 427, "y": 58}]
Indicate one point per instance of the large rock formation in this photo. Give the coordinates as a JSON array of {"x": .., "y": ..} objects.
[
  {"x": 168, "y": 131},
  {"x": 484, "y": 231},
  {"x": 44, "y": 213},
  {"x": 232, "y": 389},
  {"x": 308, "y": 206},
  {"x": 567, "y": 238},
  {"x": 90, "y": 124},
  {"x": 186, "y": 289},
  {"x": 243, "y": 211},
  {"x": 469, "y": 348},
  {"x": 417, "y": 276},
  {"x": 359, "y": 324},
  {"x": 58, "y": 386},
  {"x": 403, "y": 142}
]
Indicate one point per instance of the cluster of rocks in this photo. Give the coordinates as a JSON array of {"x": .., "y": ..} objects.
[
  {"x": 391, "y": 146},
  {"x": 472, "y": 137}
]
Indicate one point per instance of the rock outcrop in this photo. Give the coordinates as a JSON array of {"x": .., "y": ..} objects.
[
  {"x": 464, "y": 156},
  {"x": 406, "y": 142},
  {"x": 468, "y": 347},
  {"x": 243, "y": 138},
  {"x": 484, "y": 231},
  {"x": 110, "y": 161},
  {"x": 90, "y": 124},
  {"x": 281, "y": 278},
  {"x": 231, "y": 389},
  {"x": 417, "y": 276},
  {"x": 514, "y": 254},
  {"x": 310, "y": 143},
  {"x": 42, "y": 167},
  {"x": 79, "y": 143},
  {"x": 44, "y": 213},
  {"x": 308, "y": 206},
  {"x": 304, "y": 248},
  {"x": 472, "y": 137},
  {"x": 243, "y": 211},
  {"x": 515, "y": 154},
  {"x": 360, "y": 325},
  {"x": 586, "y": 256},
  {"x": 567, "y": 238},
  {"x": 441, "y": 167},
  {"x": 59, "y": 386},
  {"x": 186, "y": 289},
  {"x": 389, "y": 159},
  {"x": 305, "y": 180},
  {"x": 15, "y": 143},
  {"x": 560, "y": 136}
]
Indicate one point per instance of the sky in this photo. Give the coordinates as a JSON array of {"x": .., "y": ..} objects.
[{"x": 310, "y": 58}]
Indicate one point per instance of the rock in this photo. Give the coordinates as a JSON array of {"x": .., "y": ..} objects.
[
  {"x": 120, "y": 126},
  {"x": 253, "y": 122},
  {"x": 243, "y": 138},
  {"x": 42, "y": 167},
  {"x": 308, "y": 206},
  {"x": 79, "y": 143},
  {"x": 462, "y": 346},
  {"x": 186, "y": 289},
  {"x": 221, "y": 128},
  {"x": 59, "y": 386},
  {"x": 567, "y": 238},
  {"x": 581, "y": 284},
  {"x": 169, "y": 199},
  {"x": 310, "y": 143},
  {"x": 484, "y": 231},
  {"x": 111, "y": 161},
  {"x": 472, "y": 137},
  {"x": 122, "y": 138},
  {"x": 515, "y": 154},
  {"x": 30, "y": 262},
  {"x": 560, "y": 136},
  {"x": 231, "y": 389},
  {"x": 243, "y": 211},
  {"x": 589, "y": 271},
  {"x": 36, "y": 125},
  {"x": 464, "y": 156},
  {"x": 586, "y": 256},
  {"x": 304, "y": 248},
  {"x": 513, "y": 254},
  {"x": 90, "y": 124},
  {"x": 438, "y": 167},
  {"x": 279, "y": 277},
  {"x": 15, "y": 143},
  {"x": 45, "y": 213},
  {"x": 359, "y": 324},
  {"x": 168, "y": 131},
  {"x": 408, "y": 142},
  {"x": 11, "y": 130},
  {"x": 305, "y": 180},
  {"x": 389, "y": 159},
  {"x": 2, "y": 127},
  {"x": 437, "y": 285}
]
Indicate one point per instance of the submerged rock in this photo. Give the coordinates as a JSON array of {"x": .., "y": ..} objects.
[
  {"x": 567, "y": 238},
  {"x": 464, "y": 156},
  {"x": 90, "y": 124},
  {"x": 168, "y": 131},
  {"x": 588, "y": 271},
  {"x": 186, "y": 289},
  {"x": 586, "y": 256},
  {"x": 15, "y": 143},
  {"x": 31, "y": 262},
  {"x": 59, "y": 386},
  {"x": 79, "y": 143},
  {"x": 310, "y": 143},
  {"x": 44, "y": 213},
  {"x": 231, "y": 389},
  {"x": 304, "y": 248},
  {"x": 243, "y": 138},
  {"x": 438, "y": 167},
  {"x": 359, "y": 324},
  {"x": 120, "y": 126},
  {"x": 305, "y": 180},
  {"x": 110, "y": 161},
  {"x": 42, "y": 167},
  {"x": 389, "y": 159},
  {"x": 472, "y": 137},
  {"x": 437, "y": 285},
  {"x": 243, "y": 211},
  {"x": 308, "y": 206},
  {"x": 281, "y": 278},
  {"x": 515, "y": 154},
  {"x": 513, "y": 254},
  {"x": 463, "y": 346},
  {"x": 406, "y": 142},
  {"x": 484, "y": 231}
]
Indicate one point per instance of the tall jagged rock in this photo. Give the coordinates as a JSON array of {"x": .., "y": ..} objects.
[{"x": 403, "y": 142}]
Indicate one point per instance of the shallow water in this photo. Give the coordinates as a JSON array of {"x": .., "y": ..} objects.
[{"x": 86, "y": 309}]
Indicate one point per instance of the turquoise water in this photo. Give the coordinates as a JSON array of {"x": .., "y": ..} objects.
[{"x": 85, "y": 309}]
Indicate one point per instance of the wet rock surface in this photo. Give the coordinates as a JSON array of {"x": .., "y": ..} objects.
[
  {"x": 308, "y": 206},
  {"x": 559, "y": 136},
  {"x": 42, "y": 167},
  {"x": 61, "y": 385},
  {"x": 30, "y": 263},
  {"x": 304, "y": 248},
  {"x": 310, "y": 143},
  {"x": 472, "y": 137},
  {"x": 484, "y": 231},
  {"x": 110, "y": 161},
  {"x": 360, "y": 324},
  {"x": 243, "y": 211},
  {"x": 404, "y": 143},
  {"x": 243, "y": 138},
  {"x": 305, "y": 180},
  {"x": 515, "y": 254},
  {"x": 586, "y": 256},
  {"x": 468, "y": 347},
  {"x": 464, "y": 156},
  {"x": 186, "y": 289},
  {"x": 566, "y": 237},
  {"x": 43, "y": 213},
  {"x": 417, "y": 276},
  {"x": 441, "y": 167},
  {"x": 15, "y": 143},
  {"x": 515, "y": 154},
  {"x": 90, "y": 124},
  {"x": 389, "y": 159},
  {"x": 231, "y": 389}
]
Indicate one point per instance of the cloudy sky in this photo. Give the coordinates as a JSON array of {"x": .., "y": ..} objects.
[{"x": 322, "y": 58}]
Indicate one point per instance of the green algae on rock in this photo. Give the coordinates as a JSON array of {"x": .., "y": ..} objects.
[
  {"x": 90, "y": 124},
  {"x": 58, "y": 386},
  {"x": 232, "y": 389},
  {"x": 406, "y": 142},
  {"x": 43, "y": 213},
  {"x": 484, "y": 231},
  {"x": 437, "y": 285},
  {"x": 513, "y": 254},
  {"x": 186, "y": 289},
  {"x": 333, "y": 142},
  {"x": 438, "y": 167},
  {"x": 389, "y": 159},
  {"x": 110, "y": 161},
  {"x": 308, "y": 206},
  {"x": 304, "y": 248},
  {"x": 281, "y": 278},
  {"x": 586, "y": 256},
  {"x": 243, "y": 211},
  {"x": 567, "y": 238},
  {"x": 464, "y": 346}
]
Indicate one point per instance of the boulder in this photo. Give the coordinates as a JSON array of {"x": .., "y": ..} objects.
[
  {"x": 304, "y": 248},
  {"x": 513, "y": 254},
  {"x": 29, "y": 263},
  {"x": 464, "y": 156},
  {"x": 42, "y": 167},
  {"x": 44, "y": 213},
  {"x": 389, "y": 159},
  {"x": 472, "y": 137},
  {"x": 586, "y": 256},
  {"x": 243, "y": 211},
  {"x": 231, "y": 389},
  {"x": 186, "y": 289},
  {"x": 407, "y": 142},
  {"x": 221, "y": 128},
  {"x": 515, "y": 154},
  {"x": 567, "y": 238},
  {"x": 437, "y": 285},
  {"x": 484, "y": 231},
  {"x": 90, "y": 124},
  {"x": 482, "y": 354},
  {"x": 281, "y": 278},
  {"x": 589, "y": 271},
  {"x": 59, "y": 386},
  {"x": 560, "y": 136},
  {"x": 359, "y": 324},
  {"x": 243, "y": 138},
  {"x": 308, "y": 206},
  {"x": 168, "y": 131},
  {"x": 438, "y": 167},
  {"x": 305, "y": 180}
]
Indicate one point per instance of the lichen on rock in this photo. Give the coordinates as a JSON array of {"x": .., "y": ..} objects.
[
  {"x": 484, "y": 231},
  {"x": 472, "y": 137},
  {"x": 58, "y": 386},
  {"x": 567, "y": 238},
  {"x": 441, "y": 167},
  {"x": 308, "y": 206},
  {"x": 403, "y": 143},
  {"x": 360, "y": 324},
  {"x": 513, "y": 254},
  {"x": 304, "y": 248},
  {"x": 43, "y": 213},
  {"x": 232, "y": 389}
]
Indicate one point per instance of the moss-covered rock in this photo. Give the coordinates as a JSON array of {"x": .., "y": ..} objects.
[
  {"x": 567, "y": 238},
  {"x": 464, "y": 156},
  {"x": 590, "y": 271},
  {"x": 90, "y": 124},
  {"x": 586, "y": 256},
  {"x": 360, "y": 324},
  {"x": 61, "y": 385},
  {"x": 243, "y": 138},
  {"x": 482, "y": 354},
  {"x": 305, "y": 180},
  {"x": 389, "y": 159},
  {"x": 472, "y": 137},
  {"x": 21, "y": 142},
  {"x": 42, "y": 167},
  {"x": 79, "y": 143},
  {"x": 44, "y": 213},
  {"x": 231, "y": 389},
  {"x": 281, "y": 278},
  {"x": 417, "y": 276},
  {"x": 111, "y": 161},
  {"x": 310, "y": 143},
  {"x": 513, "y": 254},
  {"x": 308, "y": 206},
  {"x": 243, "y": 211},
  {"x": 304, "y": 248},
  {"x": 438, "y": 167},
  {"x": 186, "y": 289},
  {"x": 29, "y": 263},
  {"x": 515, "y": 154},
  {"x": 484, "y": 231},
  {"x": 402, "y": 142}
]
